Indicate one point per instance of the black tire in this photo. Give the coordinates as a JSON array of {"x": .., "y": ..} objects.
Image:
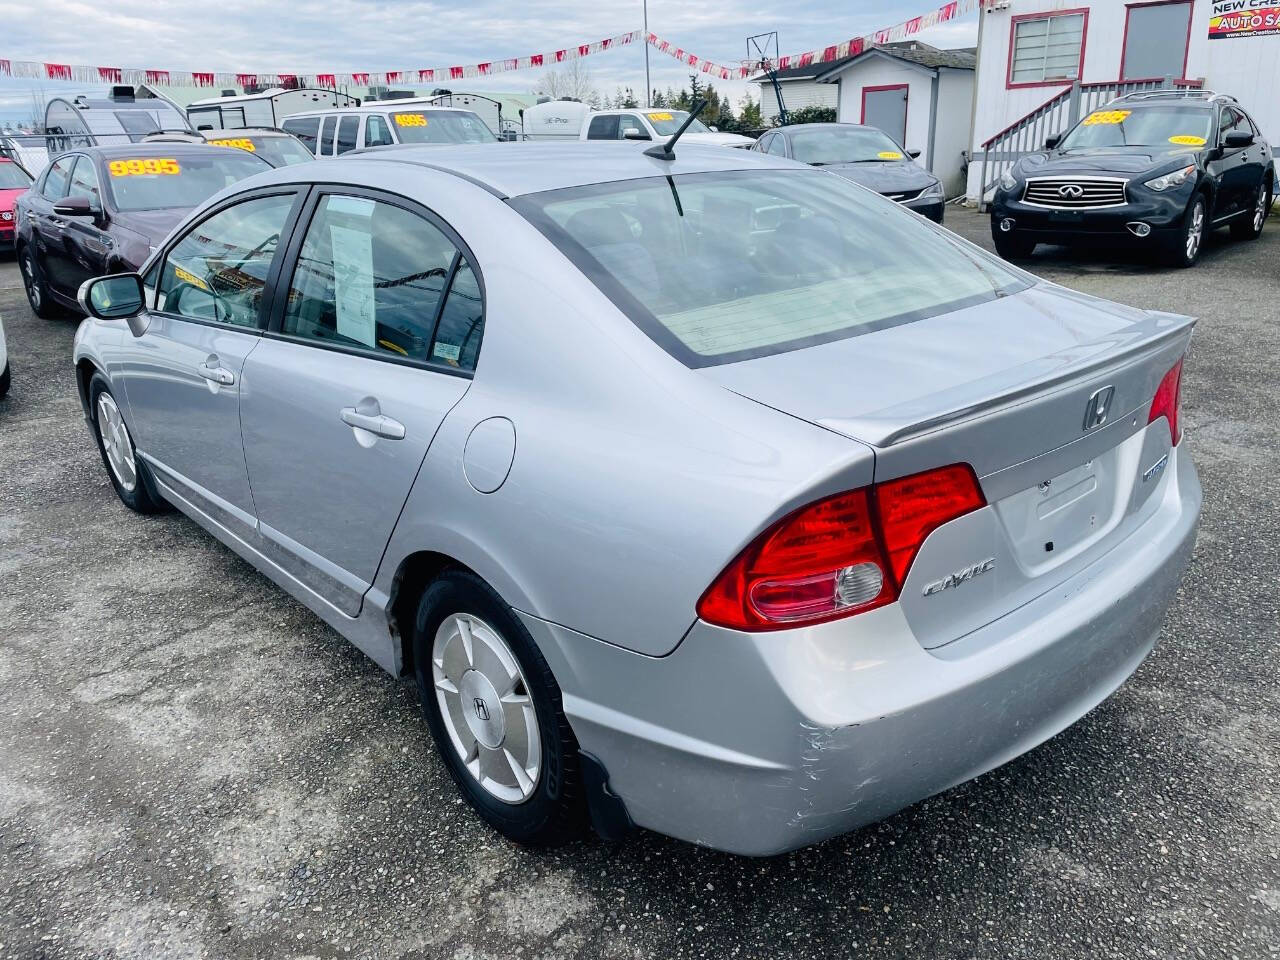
[
  {"x": 4, "y": 381},
  {"x": 1010, "y": 245},
  {"x": 1178, "y": 250},
  {"x": 1249, "y": 227},
  {"x": 37, "y": 290},
  {"x": 141, "y": 497},
  {"x": 556, "y": 810}
]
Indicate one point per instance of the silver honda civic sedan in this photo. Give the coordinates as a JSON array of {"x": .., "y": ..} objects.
[{"x": 712, "y": 494}]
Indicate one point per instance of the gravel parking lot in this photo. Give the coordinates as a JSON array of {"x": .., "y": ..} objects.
[{"x": 191, "y": 764}]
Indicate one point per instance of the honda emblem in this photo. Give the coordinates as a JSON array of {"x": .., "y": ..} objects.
[{"x": 1095, "y": 414}]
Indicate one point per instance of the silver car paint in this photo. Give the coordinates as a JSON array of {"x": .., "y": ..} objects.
[{"x": 635, "y": 480}]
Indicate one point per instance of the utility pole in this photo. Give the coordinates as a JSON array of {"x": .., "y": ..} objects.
[{"x": 648, "y": 90}]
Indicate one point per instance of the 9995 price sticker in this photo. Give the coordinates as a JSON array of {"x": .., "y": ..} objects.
[{"x": 149, "y": 166}]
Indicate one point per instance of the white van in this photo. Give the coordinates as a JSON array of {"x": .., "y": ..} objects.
[
  {"x": 330, "y": 133},
  {"x": 266, "y": 109}
]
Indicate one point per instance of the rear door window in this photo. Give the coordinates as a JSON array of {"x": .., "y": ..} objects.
[{"x": 372, "y": 276}]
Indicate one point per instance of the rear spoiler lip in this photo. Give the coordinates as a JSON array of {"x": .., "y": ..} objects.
[{"x": 884, "y": 429}]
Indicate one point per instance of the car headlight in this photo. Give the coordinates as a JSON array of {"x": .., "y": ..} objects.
[
  {"x": 932, "y": 190},
  {"x": 1170, "y": 180},
  {"x": 1007, "y": 182}
]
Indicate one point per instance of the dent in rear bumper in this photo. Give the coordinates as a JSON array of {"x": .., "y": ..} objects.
[{"x": 758, "y": 744}]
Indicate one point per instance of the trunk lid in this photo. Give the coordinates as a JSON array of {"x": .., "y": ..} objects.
[{"x": 1007, "y": 387}]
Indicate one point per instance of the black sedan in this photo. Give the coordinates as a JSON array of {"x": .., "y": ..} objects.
[
  {"x": 865, "y": 155},
  {"x": 104, "y": 209},
  {"x": 1160, "y": 169}
]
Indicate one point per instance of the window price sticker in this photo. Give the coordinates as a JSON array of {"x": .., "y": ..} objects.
[
  {"x": 410, "y": 120},
  {"x": 240, "y": 143},
  {"x": 147, "y": 167},
  {"x": 1106, "y": 117}
]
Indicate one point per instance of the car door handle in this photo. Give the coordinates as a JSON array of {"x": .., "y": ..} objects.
[
  {"x": 216, "y": 374},
  {"x": 379, "y": 424}
]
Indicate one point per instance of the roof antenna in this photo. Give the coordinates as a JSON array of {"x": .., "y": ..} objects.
[{"x": 664, "y": 151}]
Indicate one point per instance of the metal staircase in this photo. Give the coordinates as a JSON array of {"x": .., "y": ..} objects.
[{"x": 1056, "y": 115}]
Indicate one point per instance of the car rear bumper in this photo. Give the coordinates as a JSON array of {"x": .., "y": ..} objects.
[{"x": 759, "y": 744}]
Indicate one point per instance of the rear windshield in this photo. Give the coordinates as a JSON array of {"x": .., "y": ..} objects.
[
  {"x": 440, "y": 126},
  {"x": 13, "y": 177},
  {"x": 728, "y": 266},
  {"x": 160, "y": 183},
  {"x": 1163, "y": 126},
  {"x": 277, "y": 151}
]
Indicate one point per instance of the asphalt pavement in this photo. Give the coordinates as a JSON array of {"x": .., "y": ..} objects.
[{"x": 192, "y": 765}]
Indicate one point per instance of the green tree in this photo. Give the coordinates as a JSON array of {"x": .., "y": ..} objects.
[
  {"x": 749, "y": 115},
  {"x": 627, "y": 100}
]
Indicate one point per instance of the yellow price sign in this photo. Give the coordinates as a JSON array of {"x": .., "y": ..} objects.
[
  {"x": 188, "y": 277},
  {"x": 410, "y": 120},
  {"x": 1103, "y": 117},
  {"x": 1187, "y": 140},
  {"x": 240, "y": 143},
  {"x": 148, "y": 166},
  {"x": 889, "y": 155},
  {"x": 659, "y": 117}
]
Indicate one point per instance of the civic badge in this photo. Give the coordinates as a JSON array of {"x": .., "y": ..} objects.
[{"x": 1095, "y": 414}]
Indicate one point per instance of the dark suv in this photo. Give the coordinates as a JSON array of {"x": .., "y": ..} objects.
[{"x": 1158, "y": 168}]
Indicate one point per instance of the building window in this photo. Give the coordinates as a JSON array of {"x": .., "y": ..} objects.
[
  {"x": 1156, "y": 36},
  {"x": 1047, "y": 49}
]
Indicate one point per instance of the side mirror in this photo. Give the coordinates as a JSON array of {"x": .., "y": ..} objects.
[
  {"x": 634, "y": 133},
  {"x": 913, "y": 154},
  {"x": 1053, "y": 141},
  {"x": 77, "y": 206},
  {"x": 117, "y": 297},
  {"x": 1237, "y": 140}
]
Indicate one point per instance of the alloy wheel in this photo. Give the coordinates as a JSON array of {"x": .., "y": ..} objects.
[
  {"x": 1260, "y": 211},
  {"x": 1195, "y": 230},
  {"x": 116, "y": 442},
  {"x": 29, "y": 282},
  {"x": 486, "y": 707}
]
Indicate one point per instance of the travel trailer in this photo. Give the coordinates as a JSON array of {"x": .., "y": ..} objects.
[{"x": 265, "y": 109}]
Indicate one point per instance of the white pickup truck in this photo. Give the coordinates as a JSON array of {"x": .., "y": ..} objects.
[{"x": 571, "y": 120}]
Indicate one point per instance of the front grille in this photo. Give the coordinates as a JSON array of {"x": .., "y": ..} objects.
[
  {"x": 902, "y": 196},
  {"x": 1074, "y": 193}
]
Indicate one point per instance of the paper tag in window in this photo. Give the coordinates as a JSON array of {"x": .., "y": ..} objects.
[
  {"x": 889, "y": 155},
  {"x": 188, "y": 277},
  {"x": 411, "y": 120},
  {"x": 1106, "y": 117},
  {"x": 356, "y": 206},
  {"x": 1187, "y": 140},
  {"x": 659, "y": 117},
  {"x": 447, "y": 352},
  {"x": 240, "y": 143},
  {"x": 353, "y": 284}
]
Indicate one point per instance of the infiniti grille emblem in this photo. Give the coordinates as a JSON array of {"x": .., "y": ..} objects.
[
  {"x": 1072, "y": 191},
  {"x": 1095, "y": 412}
]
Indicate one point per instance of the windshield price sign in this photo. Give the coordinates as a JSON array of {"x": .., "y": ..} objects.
[
  {"x": 240, "y": 143},
  {"x": 1244, "y": 18},
  {"x": 410, "y": 120},
  {"x": 143, "y": 168}
]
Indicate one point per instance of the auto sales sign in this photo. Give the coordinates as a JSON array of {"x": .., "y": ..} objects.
[{"x": 1244, "y": 18}]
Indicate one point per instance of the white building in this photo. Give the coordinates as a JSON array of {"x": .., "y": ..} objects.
[
  {"x": 800, "y": 89},
  {"x": 1044, "y": 63}
]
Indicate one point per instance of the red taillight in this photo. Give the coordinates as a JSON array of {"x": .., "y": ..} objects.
[
  {"x": 913, "y": 507},
  {"x": 1168, "y": 402},
  {"x": 842, "y": 555}
]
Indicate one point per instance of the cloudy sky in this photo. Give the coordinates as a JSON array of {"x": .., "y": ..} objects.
[{"x": 345, "y": 35}]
